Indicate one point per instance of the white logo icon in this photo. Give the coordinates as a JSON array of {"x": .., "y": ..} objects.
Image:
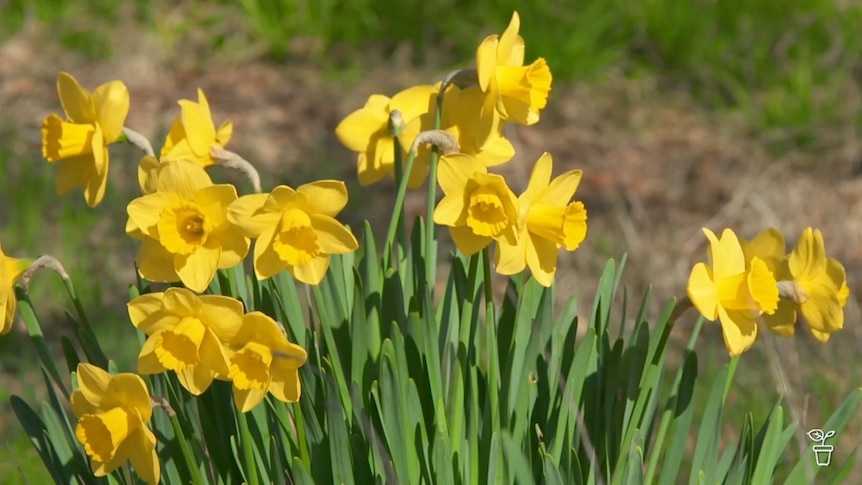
[{"x": 822, "y": 452}]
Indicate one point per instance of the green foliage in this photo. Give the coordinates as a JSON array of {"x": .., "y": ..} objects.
[{"x": 398, "y": 387}]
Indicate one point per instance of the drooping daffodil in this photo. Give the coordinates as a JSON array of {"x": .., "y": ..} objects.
[
  {"x": 112, "y": 413},
  {"x": 264, "y": 361},
  {"x": 812, "y": 284},
  {"x": 10, "y": 270},
  {"x": 187, "y": 334},
  {"x": 367, "y": 132}
]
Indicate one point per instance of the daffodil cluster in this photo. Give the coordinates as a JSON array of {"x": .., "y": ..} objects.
[
  {"x": 202, "y": 338},
  {"x": 478, "y": 207},
  {"x": 750, "y": 281}
]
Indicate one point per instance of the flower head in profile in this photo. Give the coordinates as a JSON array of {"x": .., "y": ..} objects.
[
  {"x": 478, "y": 136},
  {"x": 10, "y": 271},
  {"x": 263, "y": 361},
  {"x": 732, "y": 291},
  {"x": 367, "y": 132},
  {"x": 811, "y": 284},
  {"x": 517, "y": 92},
  {"x": 548, "y": 220},
  {"x": 186, "y": 334},
  {"x": 80, "y": 142},
  {"x": 193, "y": 134},
  {"x": 296, "y": 230},
  {"x": 478, "y": 207},
  {"x": 184, "y": 229},
  {"x": 112, "y": 413}
]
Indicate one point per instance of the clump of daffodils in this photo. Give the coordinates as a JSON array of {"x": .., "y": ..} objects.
[
  {"x": 748, "y": 282},
  {"x": 449, "y": 134}
]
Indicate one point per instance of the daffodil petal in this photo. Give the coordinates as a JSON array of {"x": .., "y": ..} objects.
[
  {"x": 510, "y": 51},
  {"x": 112, "y": 106},
  {"x": 247, "y": 399},
  {"x": 311, "y": 273},
  {"x": 234, "y": 247},
  {"x": 509, "y": 258},
  {"x": 247, "y": 214},
  {"x": 414, "y": 101},
  {"x": 77, "y": 102},
  {"x": 286, "y": 387},
  {"x": 196, "y": 270},
  {"x": 267, "y": 263},
  {"x": 451, "y": 211},
  {"x": 455, "y": 169},
  {"x": 182, "y": 177},
  {"x": 332, "y": 236},
  {"x": 327, "y": 197},
  {"x": 486, "y": 61},
  {"x": 74, "y": 172},
  {"x": 562, "y": 188},
  {"x": 144, "y": 458},
  {"x": 145, "y": 212},
  {"x": 542, "y": 259},
  {"x": 808, "y": 259},
  {"x": 739, "y": 329},
  {"x": 198, "y": 123},
  {"x": 356, "y": 130},
  {"x": 467, "y": 241},
  {"x": 703, "y": 292},
  {"x": 129, "y": 390},
  {"x": 155, "y": 263},
  {"x": 93, "y": 383}
]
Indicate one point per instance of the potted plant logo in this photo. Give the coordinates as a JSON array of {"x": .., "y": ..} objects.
[{"x": 822, "y": 452}]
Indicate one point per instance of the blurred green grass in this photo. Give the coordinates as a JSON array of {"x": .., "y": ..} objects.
[{"x": 785, "y": 65}]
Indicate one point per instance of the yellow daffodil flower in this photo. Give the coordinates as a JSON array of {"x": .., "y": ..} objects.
[
  {"x": 732, "y": 291},
  {"x": 811, "y": 283},
  {"x": 193, "y": 134},
  {"x": 819, "y": 285},
  {"x": 184, "y": 228},
  {"x": 476, "y": 136},
  {"x": 187, "y": 335},
  {"x": 296, "y": 230},
  {"x": 112, "y": 413},
  {"x": 548, "y": 220},
  {"x": 769, "y": 247},
  {"x": 366, "y": 131},
  {"x": 516, "y": 91},
  {"x": 10, "y": 271},
  {"x": 478, "y": 207},
  {"x": 264, "y": 361},
  {"x": 80, "y": 143}
]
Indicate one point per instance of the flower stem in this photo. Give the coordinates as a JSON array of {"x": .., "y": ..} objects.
[
  {"x": 247, "y": 452},
  {"x": 430, "y": 242},
  {"x": 191, "y": 464},
  {"x": 398, "y": 208}
]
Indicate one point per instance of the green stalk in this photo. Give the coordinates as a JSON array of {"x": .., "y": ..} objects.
[
  {"x": 94, "y": 350},
  {"x": 395, "y": 130},
  {"x": 398, "y": 209},
  {"x": 247, "y": 452},
  {"x": 25, "y": 308},
  {"x": 430, "y": 249},
  {"x": 191, "y": 464},
  {"x": 491, "y": 352}
]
